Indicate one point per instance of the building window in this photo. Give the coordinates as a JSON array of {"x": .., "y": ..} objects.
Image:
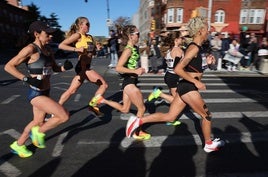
[
  {"x": 219, "y": 16},
  {"x": 243, "y": 16},
  {"x": 252, "y": 16},
  {"x": 170, "y": 16},
  {"x": 256, "y": 16},
  {"x": 179, "y": 15}
]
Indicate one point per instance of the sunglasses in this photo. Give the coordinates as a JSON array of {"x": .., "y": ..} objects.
[
  {"x": 137, "y": 33},
  {"x": 88, "y": 24}
]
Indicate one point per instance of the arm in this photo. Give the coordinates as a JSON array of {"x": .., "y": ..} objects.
[
  {"x": 23, "y": 55},
  {"x": 66, "y": 44},
  {"x": 179, "y": 69},
  {"x": 121, "y": 62},
  {"x": 57, "y": 68}
]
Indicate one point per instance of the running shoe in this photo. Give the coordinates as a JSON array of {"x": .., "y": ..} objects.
[
  {"x": 214, "y": 145},
  {"x": 132, "y": 124},
  {"x": 174, "y": 123},
  {"x": 96, "y": 111},
  {"x": 95, "y": 100},
  {"x": 38, "y": 138},
  {"x": 141, "y": 135},
  {"x": 155, "y": 94},
  {"x": 21, "y": 151}
]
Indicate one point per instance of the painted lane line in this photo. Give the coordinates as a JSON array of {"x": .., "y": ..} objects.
[
  {"x": 9, "y": 170},
  {"x": 229, "y": 115},
  {"x": 188, "y": 140},
  {"x": 166, "y": 141},
  {"x": 207, "y": 84},
  {"x": 10, "y": 99},
  {"x": 226, "y": 100},
  {"x": 77, "y": 97},
  {"x": 215, "y": 115},
  {"x": 60, "y": 88},
  {"x": 14, "y": 134},
  {"x": 59, "y": 145},
  {"x": 255, "y": 92}
]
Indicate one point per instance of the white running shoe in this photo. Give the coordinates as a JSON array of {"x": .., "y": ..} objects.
[
  {"x": 132, "y": 124},
  {"x": 214, "y": 146}
]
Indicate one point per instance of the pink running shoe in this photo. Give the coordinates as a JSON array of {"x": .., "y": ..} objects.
[
  {"x": 133, "y": 123},
  {"x": 214, "y": 146}
]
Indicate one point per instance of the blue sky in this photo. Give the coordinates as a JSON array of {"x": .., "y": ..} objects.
[{"x": 95, "y": 10}]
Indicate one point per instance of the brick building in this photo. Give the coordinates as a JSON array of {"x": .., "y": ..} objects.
[
  {"x": 14, "y": 22},
  {"x": 230, "y": 16}
]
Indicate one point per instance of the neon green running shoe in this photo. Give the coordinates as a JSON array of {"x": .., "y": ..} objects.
[
  {"x": 95, "y": 100},
  {"x": 141, "y": 135},
  {"x": 155, "y": 94},
  {"x": 21, "y": 151},
  {"x": 38, "y": 139},
  {"x": 174, "y": 123}
]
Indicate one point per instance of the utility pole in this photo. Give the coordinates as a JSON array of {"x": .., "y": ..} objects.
[
  {"x": 209, "y": 13},
  {"x": 108, "y": 9},
  {"x": 108, "y": 21}
]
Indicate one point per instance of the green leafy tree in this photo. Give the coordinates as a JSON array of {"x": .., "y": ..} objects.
[{"x": 52, "y": 21}]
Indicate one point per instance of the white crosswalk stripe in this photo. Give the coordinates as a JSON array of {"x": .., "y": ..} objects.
[{"x": 146, "y": 84}]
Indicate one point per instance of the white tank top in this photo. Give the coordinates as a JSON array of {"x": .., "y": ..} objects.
[{"x": 170, "y": 62}]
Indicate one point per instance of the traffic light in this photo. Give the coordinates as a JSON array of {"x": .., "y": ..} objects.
[{"x": 153, "y": 25}]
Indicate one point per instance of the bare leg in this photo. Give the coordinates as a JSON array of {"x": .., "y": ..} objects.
[
  {"x": 94, "y": 77},
  {"x": 75, "y": 84},
  {"x": 175, "y": 109},
  {"x": 124, "y": 108},
  {"x": 41, "y": 106},
  {"x": 195, "y": 101}
]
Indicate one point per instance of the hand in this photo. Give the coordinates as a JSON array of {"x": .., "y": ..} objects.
[
  {"x": 211, "y": 59},
  {"x": 200, "y": 85},
  {"x": 33, "y": 81},
  {"x": 67, "y": 65},
  {"x": 140, "y": 71}
]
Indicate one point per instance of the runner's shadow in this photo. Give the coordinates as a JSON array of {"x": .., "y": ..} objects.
[
  {"x": 72, "y": 129},
  {"x": 113, "y": 161},
  {"x": 47, "y": 169},
  {"x": 234, "y": 158},
  {"x": 187, "y": 112},
  {"x": 258, "y": 138},
  {"x": 176, "y": 147}
]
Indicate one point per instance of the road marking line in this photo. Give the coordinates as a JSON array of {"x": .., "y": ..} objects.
[
  {"x": 162, "y": 79},
  {"x": 77, "y": 97},
  {"x": 10, "y": 99},
  {"x": 229, "y": 115},
  {"x": 226, "y": 100},
  {"x": 215, "y": 91},
  {"x": 215, "y": 115},
  {"x": 59, "y": 146},
  {"x": 14, "y": 134},
  {"x": 60, "y": 88},
  {"x": 188, "y": 140},
  {"x": 165, "y": 141},
  {"x": 61, "y": 83},
  {"x": 207, "y": 84},
  {"x": 8, "y": 169}
]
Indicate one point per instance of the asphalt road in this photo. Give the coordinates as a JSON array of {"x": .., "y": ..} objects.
[{"x": 88, "y": 146}]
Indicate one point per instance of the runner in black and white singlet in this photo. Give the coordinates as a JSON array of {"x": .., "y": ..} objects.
[{"x": 174, "y": 40}]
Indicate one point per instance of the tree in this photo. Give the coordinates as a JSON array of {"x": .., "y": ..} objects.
[
  {"x": 122, "y": 21},
  {"x": 52, "y": 20},
  {"x": 35, "y": 12}
]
